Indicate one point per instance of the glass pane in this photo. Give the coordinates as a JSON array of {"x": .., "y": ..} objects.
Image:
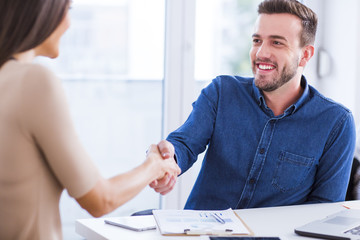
[
  {"x": 223, "y": 38},
  {"x": 111, "y": 64}
]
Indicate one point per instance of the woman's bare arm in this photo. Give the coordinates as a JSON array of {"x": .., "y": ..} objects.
[{"x": 109, "y": 194}]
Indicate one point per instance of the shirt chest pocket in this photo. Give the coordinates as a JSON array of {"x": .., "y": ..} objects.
[{"x": 291, "y": 171}]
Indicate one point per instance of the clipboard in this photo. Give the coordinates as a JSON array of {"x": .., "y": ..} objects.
[{"x": 200, "y": 222}]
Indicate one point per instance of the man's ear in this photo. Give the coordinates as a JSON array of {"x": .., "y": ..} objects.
[{"x": 307, "y": 53}]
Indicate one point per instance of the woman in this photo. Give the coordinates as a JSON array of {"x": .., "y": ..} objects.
[{"x": 40, "y": 154}]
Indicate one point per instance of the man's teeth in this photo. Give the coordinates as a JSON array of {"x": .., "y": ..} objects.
[{"x": 266, "y": 67}]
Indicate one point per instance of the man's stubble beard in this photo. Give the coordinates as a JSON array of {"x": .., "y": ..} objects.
[{"x": 286, "y": 75}]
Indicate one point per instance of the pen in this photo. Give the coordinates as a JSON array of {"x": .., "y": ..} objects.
[
  {"x": 207, "y": 232},
  {"x": 218, "y": 218}
]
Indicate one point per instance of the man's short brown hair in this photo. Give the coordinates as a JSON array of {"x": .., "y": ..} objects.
[{"x": 307, "y": 16}]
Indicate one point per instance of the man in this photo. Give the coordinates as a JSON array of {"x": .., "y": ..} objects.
[{"x": 273, "y": 139}]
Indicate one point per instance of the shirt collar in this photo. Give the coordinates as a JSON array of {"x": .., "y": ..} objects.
[
  {"x": 258, "y": 95},
  {"x": 290, "y": 110},
  {"x": 304, "y": 96}
]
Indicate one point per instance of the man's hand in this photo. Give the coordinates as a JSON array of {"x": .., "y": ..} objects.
[
  {"x": 167, "y": 183},
  {"x": 166, "y": 149}
]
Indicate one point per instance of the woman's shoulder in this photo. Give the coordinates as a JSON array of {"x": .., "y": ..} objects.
[
  {"x": 21, "y": 70},
  {"x": 34, "y": 71},
  {"x": 30, "y": 81},
  {"x": 17, "y": 75},
  {"x": 35, "y": 76}
]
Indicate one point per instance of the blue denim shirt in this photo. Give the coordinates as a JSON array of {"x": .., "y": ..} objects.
[{"x": 256, "y": 159}]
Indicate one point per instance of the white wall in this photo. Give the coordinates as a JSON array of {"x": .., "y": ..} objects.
[{"x": 339, "y": 36}]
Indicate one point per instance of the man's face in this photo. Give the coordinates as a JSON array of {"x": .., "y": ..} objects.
[{"x": 276, "y": 51}]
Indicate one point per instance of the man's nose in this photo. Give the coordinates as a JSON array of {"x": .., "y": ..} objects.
[{"x": 263, "y": 51}]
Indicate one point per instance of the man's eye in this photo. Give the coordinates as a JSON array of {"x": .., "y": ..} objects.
[
  {"x": 256, "y": 40},
  {"x": 277, "y": 43}
]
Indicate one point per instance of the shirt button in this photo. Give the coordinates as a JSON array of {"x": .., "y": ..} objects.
[
  {"x": 252, "y": 181},
  {"x": 262, "y": 151}
]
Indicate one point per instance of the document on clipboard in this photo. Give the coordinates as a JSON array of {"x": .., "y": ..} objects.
[{"x": 200, "y": 222}]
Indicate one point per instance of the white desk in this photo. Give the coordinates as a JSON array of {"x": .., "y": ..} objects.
[{"x": 274, "y": 221}]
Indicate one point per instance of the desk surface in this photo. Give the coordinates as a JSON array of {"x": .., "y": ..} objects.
[{"x": 273, "y": 221}]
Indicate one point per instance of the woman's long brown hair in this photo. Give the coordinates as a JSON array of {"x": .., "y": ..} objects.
[{"x": 24, "y": 24}]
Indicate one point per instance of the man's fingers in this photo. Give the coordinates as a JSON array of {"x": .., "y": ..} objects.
[
  {"x": 166, "y": 149},
  {"x": 178, "y": 170}
]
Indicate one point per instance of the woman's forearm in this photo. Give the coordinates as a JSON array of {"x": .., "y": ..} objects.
[{"x": 108, "y": 194}]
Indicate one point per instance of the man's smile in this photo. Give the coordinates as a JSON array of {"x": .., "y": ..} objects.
[{"x": 265, "y": 66}]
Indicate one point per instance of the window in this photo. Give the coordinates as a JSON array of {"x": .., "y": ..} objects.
[{"x": 223, "y": 37}]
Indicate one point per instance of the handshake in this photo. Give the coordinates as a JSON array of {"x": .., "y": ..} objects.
[{"x": 161, "y": 157}]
